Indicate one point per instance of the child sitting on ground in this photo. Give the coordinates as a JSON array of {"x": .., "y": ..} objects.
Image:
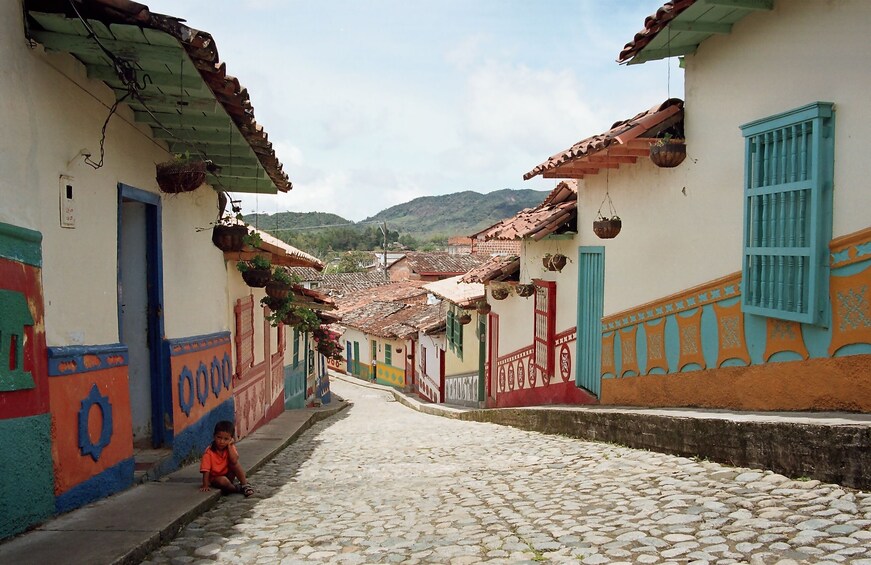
[{"x": 220, "y": 465}]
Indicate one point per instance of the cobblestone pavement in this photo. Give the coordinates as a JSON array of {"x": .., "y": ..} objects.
[{"x": 381, "y": 483}]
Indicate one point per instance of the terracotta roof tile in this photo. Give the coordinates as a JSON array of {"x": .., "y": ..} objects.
[
  {"x": 340, "y": 284},
  {"x": 559, "y": 209},
  {"x": 463, "y": 294},
  {"x": 622, "y": 144},
  {"x": 408, "y": 292},
  {"x": 442, "y": 263},
  {"x": 393, "y": 319},
  {"x": 652, "y": 26},
  {"x": 498, "y": 268}
]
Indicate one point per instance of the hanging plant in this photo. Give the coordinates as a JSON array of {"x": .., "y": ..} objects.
[
  {"x": 281, "y": 283},
  {"x": 464, "y": 318},
  {"x": 279, "y": 308},
  {"x": 303, "y": 319},
  {"x": 500, "y": 293},
  {"x": 482, "y": 307},
  {"x": 182, "y": 174},
  {"x": 525, "y": 290},
  {"x": 327, "y": 344},
  {"x": 257, "y": 272},
  {"x": 554, "y": 262},
  {"x": 668, "y": 152},
  {"x": 607, "y": 227}
]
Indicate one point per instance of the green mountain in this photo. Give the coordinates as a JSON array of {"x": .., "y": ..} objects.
[
  {"x": 460, "y": 213},
  {"x": 423, "y": 223}
]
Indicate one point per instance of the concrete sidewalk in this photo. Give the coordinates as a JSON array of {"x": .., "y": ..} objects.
[
  {"x": 125, "y": 527},
  {"x": 833, "y": 447}
]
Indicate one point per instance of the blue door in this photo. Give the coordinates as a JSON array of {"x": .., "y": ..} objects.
[{"x": 591, "y": 304}]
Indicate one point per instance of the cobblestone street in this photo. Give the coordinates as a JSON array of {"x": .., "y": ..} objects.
[{"x": 381, "y": 483}]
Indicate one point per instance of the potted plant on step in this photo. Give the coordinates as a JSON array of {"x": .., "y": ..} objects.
[
  {"x": 257, "y": 272},
  {"x": 668, "y": 152}
]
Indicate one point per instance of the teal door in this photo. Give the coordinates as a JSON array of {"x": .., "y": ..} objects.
[{"x": 591, "y": 304}]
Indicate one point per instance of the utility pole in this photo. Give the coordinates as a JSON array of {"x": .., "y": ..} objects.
[{"x": 384, "y": 231}]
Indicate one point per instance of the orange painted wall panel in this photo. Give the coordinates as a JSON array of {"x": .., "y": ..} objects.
[{"x": 66, "y": 394}]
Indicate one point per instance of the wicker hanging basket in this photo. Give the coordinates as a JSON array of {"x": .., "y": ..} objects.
[
  {"x": 174, "y": 177},
  {"x": 279, "y": 290},
  {"x": 229, "y": 238},
  {"x": 525, "y": 290},
  {"x": 607, "y": 228},
  {"x": 500, "y": 293},
  {"x": 668, "y": 155},
  {"x": 257, "y": 278}
]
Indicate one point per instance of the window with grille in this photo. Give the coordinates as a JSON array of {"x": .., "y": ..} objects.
[
  {"x": 388, "y": 354},
  {"x": 545, "y": 326},
  {"x": 788, "y": 174}
]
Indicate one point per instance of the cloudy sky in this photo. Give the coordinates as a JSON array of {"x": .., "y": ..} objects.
[{"x": 371, "y": 103}]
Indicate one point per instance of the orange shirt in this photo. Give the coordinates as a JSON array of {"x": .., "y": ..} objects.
[{"x": 217, "y": 463}]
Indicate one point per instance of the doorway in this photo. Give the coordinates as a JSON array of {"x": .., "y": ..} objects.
[{"x": 140, "y": 319}]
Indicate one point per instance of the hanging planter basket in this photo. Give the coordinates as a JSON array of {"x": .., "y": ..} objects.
[
  {"x": 229, "y": 238},
  {"x": 554, "y": 262},
  {"x": 483, "y": 307},
  {"x": 500, "y": 293},
  {"x": 525, "y": 290},
  {"x": 669, "y": 154},
  {"x": 174, "y": 177},
  {"x": 257, "y": 278},
  {"x": 464, "y": 318},
  {"x": 278, "y": 290},
  {"x": 607, "y": 228}
]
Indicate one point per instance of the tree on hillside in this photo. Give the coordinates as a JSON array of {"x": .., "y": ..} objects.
[{"x": 352, "y": 262}]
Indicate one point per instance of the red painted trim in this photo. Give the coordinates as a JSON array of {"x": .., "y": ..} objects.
[
  {"x": 558, "y": 393},
  {"x": 27, "y": 280},
  {"x": 441, "y": 376},
  {"x": 549, "y": 311}
]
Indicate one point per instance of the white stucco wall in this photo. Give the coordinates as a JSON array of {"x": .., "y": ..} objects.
[
  {"x": 683, "y": 227},
  {"x": 515, "y": 321},
  {"x": 50, "y": 111},
  {"x": 566, "y": 280},
  {"x": 430, "y": 347},
  {"x": 802, "y": 52},
  {"x": 469, "y": 363}
]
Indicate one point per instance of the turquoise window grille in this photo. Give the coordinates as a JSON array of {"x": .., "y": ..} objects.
[
  {"x": 295, "y": 347},
  {"x": 788, "y": 177}
]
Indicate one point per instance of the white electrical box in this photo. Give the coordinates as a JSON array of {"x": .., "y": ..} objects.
[{"x": 67, "y": 202}]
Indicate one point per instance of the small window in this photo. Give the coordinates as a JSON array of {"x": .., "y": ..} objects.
[
  {"x": 788, "y": 177},
  {"x": 388, "y": 354},
  {"x": 374, "y": 350}
]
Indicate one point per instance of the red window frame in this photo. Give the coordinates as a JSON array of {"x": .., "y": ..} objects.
[{"x": 544, "y": 326}]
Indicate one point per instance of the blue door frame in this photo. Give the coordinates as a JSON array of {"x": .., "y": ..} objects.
[{"x": 161, "y": 392}]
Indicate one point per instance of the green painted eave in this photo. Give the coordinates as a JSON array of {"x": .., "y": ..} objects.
[
  {"x": 703, "y": 19},
  {"x": 176, "y": 102}
]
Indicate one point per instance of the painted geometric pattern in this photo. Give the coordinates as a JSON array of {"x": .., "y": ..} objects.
[
  {"x": 709, "y": 293},
  {"x": 730, "y": 323},
  {"x": 608, "y": 355},
  {"x": 689, "y": 329},
  {"x": 784, "y": 335},
  {"x": 850, "y": 249},
  {"x": 656, "y": 346},
  {"x": 517, "y": 370},
  {"x": 851, "y": 310},
  {"x": 628, "y": 350}
]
